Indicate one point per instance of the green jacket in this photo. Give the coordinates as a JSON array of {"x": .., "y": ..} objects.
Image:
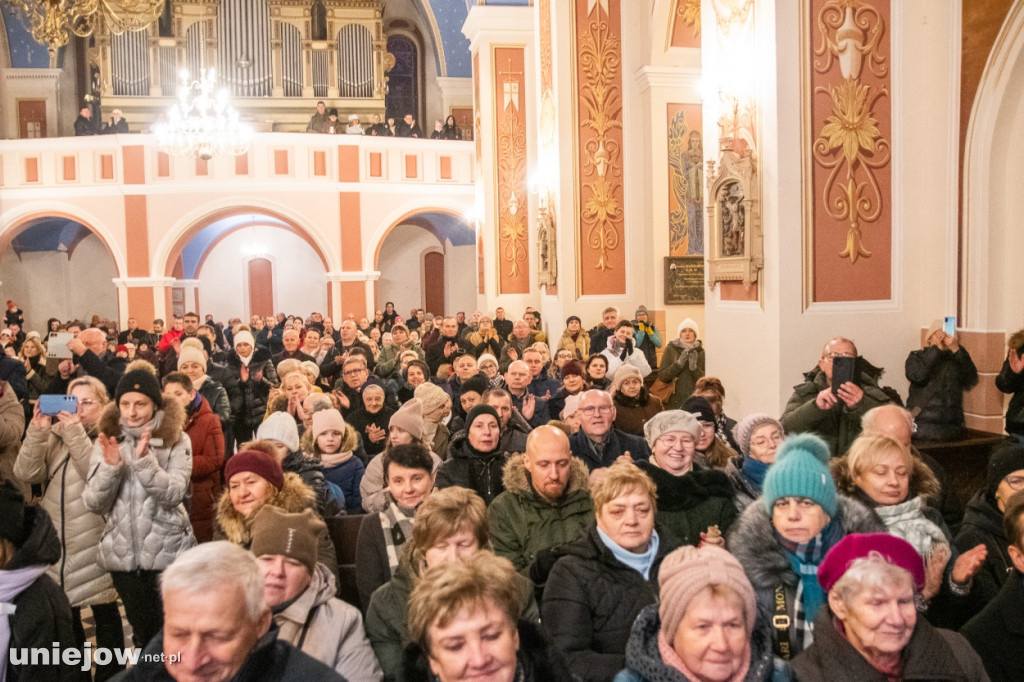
[
  {"x": 689, "y": 504},
  {"x": 387, "y": 361},
  {"x": 522, "y": 523},
  {"x": 387, "y": 617},
  {"x": 840, "y": 425}
]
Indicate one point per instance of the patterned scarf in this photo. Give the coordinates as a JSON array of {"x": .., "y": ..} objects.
[
  {"x": 804, "y": 558},
  {"x": 907, "y": 521},
  {"x": 396, "y": 522}
]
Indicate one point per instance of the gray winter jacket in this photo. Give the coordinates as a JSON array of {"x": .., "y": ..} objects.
[
  {"x": 58, "y": 457},
  {"x": 334, "y": 636},
  {"x": 147, "y": 525}
]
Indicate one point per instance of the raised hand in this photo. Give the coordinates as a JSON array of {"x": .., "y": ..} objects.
[
  {"x": 969, "y": 563},
  {"x": 1016, "y": 361},
  {"x": 40, "y": 420},
  {"x": 851, "y": 394},
  {"x": 143, "y": 447},
  {"x": 826, "y": 399},
  {"x": 111, "y": 455}
]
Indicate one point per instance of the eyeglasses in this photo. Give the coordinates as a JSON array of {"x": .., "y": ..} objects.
[
  {"x": 87, "y": 402},
  {"x": 829, "y": 356},
  {"x": 353, "y": 372},
  {"x": 1015, "y": 482},
  {"x": 595, "y": 409},
  {"x": 769, "y": 440}
]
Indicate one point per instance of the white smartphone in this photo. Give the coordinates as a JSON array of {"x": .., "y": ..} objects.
[{"x": 57, "y": 345}]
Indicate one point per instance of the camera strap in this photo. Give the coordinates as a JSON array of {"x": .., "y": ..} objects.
[{"x": 781, "y": 622}]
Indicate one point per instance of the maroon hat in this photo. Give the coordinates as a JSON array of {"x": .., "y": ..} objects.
[
  {"x": 896, "y": 551},
  {"x": 259, "y": 463},
  {"x": 571, "y": 367}
]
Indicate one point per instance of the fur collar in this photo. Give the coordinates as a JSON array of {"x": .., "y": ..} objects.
[
  {"x": 679, "y": 493},
  {"x": 294, "y": 497},
  {"x": 922, "y": 481},
  {"x": 169, "y": 430},
  {"x": 752, "y": 542},
  {"x": 516, "y": 480},
  {"x": 259, "y": 354},
  {"x": 349, "y": 444}
]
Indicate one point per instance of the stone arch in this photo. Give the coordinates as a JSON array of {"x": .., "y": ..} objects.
[{"x": 402, "y": 213}]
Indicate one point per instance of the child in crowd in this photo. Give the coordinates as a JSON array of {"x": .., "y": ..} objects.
[{"x": 334, "y": 444}]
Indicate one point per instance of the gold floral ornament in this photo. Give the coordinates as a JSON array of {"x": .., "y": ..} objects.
[
  {"x": 689, "y": 12},
  {"x": 512, "y": 233},
  {"x": 602, "y": 100},
  {"x": 850, "y": 143}
]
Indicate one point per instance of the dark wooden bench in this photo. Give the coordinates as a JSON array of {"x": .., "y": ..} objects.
[
  {"x": 344, "y": 532},
  {"x": 965, "y": 460}
]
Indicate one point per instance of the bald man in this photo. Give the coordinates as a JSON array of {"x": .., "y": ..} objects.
[
  {"x": 90, "y": 357},
  {"x": 546, "y": 500},
  {"x": 897, "y": 423}
]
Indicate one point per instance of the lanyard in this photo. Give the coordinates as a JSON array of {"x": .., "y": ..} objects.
[{"x": 781, "y": 622}]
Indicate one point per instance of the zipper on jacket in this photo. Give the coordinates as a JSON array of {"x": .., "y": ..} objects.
[{"x": 63, "y": 518}]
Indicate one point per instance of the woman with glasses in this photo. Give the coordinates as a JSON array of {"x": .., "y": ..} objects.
[
  {"x": 758, "y": 437},
  {"x": 55, "y": 455},
  {"x": 983, "y": 520},
  {"x": 901, "y": 489}
]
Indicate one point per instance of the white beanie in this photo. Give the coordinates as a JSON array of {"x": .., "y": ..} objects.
[
  {"x": 244, "y": 336},
  {"x": 688, "y": 323},
  {"x": 280, "y": 426}
]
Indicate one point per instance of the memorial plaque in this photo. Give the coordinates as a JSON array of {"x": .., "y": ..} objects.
[{"x": 684, "y": 280}]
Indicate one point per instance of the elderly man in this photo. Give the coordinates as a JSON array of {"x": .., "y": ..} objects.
[
  {"x": 290, "y": 340},
  {"x": 597, "y": 442},
  {"x": 441, "y": 352},
  {"x": 521, "y": 338},
  {"x": 835, "y": 416},
  {"x": 349, "y": 389},
  {"x": 599, "y": 334},
  {"x": 300, "y": 593},
  {"x": 546, "y": 500},
  {"x": 90, "y": 357},
  {"x": 541, "y": 384},
  {"x": 347, "y": 345},
  {"x": 514, "y": 428},
  {"x": 133, "y": 334},
  {"x": 218, "y": 627},
  {"x": 533, "y": 409},
  {"x": 897, "y": 423}
]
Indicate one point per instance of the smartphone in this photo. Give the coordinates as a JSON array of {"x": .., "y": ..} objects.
[
  {"x": 842, "y": 371},
  {"x": 949, "y": 325},
  {"x": 52, "y": 403},
  {"x": 57, "y": 345}
]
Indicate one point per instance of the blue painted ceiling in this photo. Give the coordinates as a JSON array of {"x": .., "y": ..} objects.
[{"x": 49, "y": 234}]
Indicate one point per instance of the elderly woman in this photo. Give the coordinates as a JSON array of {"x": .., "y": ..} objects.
[
  {"x": 692, "y": 501},
  {"x": 634, "y": 405},
  {"x": 488, "y": 365},
  {"x": 300, "y": 593},
  {"x": 871, "y": 630},
  {"x": 883, "y": 474},
  {"x": 467, "y": 619},
  {"x": 705, "y": 627},
  {"x": 476, "y": 461},
  {"x": 607, "y": 576},
  {"x": 55, "y": 454},
  {"x": 193, "y": 363},
  {"x": 255, "y": 479},
  {"x": 781, "y": 541},
  {"x": 139, "y": 473},
  {"x": 371, "y": 419},
  {"x": 758, "y": 437},
  {"x": 682, "y": 362},
  {"x": 451, "y": 525}
]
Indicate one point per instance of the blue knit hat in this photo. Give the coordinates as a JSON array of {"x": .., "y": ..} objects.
[{"x": 801, "y": 470}]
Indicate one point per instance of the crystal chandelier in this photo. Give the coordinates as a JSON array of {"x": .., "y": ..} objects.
[
  {"x": 202, "y": 124},
  {"x": 53, "y": 21}
]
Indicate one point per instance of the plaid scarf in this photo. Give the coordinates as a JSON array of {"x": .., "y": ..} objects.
[
  {"x": 396, "y": 522},
  {"x": 804, "y": 558}
]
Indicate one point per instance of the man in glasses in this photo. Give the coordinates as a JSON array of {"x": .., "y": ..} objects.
[
  {"x": 834, "y": 415},
  {"x": 597, "y": 442}
]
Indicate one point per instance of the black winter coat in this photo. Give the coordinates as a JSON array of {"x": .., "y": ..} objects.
[
  {"x": 997, "y": 633},
  {"x": 983, "y": 524},
  {"x": 1010, "y": 382},
  {"x": 469, "y": 468},
  {"x": 42, "y": 617},
  {"x": 618, "y": 444},
  {"x": 591, "y": 600},
  {"x": 938, "y": 379},
  {"x": 249, "y": 398}
]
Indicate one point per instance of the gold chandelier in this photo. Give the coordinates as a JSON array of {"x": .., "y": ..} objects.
[
  {"x": 53, "y": 21},
  {"x": 202, "y": 123}
]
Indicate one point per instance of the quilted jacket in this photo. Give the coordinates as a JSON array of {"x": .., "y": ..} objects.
[{"x": 147, "y": 525}]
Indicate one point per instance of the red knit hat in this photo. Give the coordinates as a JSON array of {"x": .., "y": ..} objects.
[
  {"x": 259, "y": 463},
  {"x": 894, "y": 550}
]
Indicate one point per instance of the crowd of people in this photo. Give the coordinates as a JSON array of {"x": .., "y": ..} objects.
[
  {"x": 572, "y": 507},
  {"x": 325, "y": 120}
]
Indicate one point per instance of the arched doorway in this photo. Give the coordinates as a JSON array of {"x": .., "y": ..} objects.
[
  {"x": 443, "y": 247},
  {"x": 239, "y": 262},
  {"x": 56, "y": 266}
]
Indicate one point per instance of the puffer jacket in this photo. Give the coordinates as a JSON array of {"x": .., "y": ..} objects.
[
  {"x": 632, "y": 413},
  {"x": 938, "y": 379},
  {"x": 249, "y": 398},
  {"x": 12, "y": 423},
  {"x": 480, "y": 472},
  {"x": 58, "y": 457},
  {"x": 293, "y": 498},
  {"x": 931, "y": 654},
  {"x": 752, "y": 541},
  {"x": 684, "y": 366},
  {"x": 983, "y": 524},
  {"x": 645, "y": 664},
  {"x": 141, "y": 497},
  {"x": 1008, "y": 381},
  {"x": 689, "y": 504},
  {"x": 204, "y": 430},
  {"x": 591, "y": 600},
  {"x": 333, "y": 630},
  {"x": 840, "y": 425},
  {"x": 522, "y": 523}
]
